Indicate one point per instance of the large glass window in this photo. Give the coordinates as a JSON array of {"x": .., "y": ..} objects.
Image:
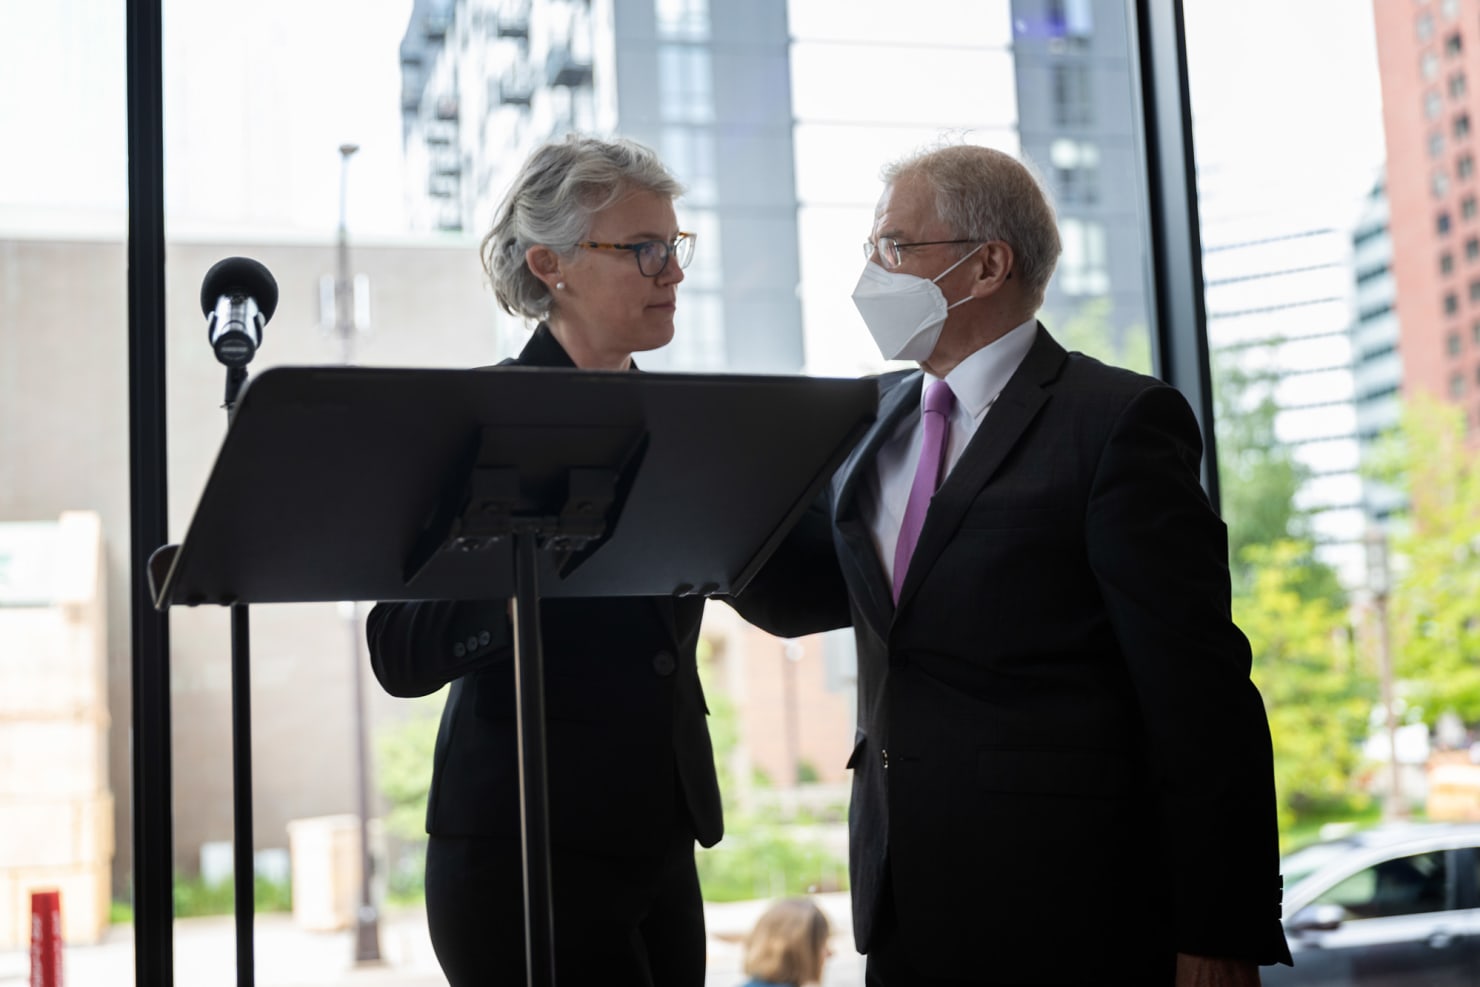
[
  {"x": 1331, "y": 514},
  {"x": 361, "y": 163}
]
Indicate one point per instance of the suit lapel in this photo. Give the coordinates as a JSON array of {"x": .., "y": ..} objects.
[
  {"x": 860, "y": 558},
  {"x": 1014, "y": 410}
]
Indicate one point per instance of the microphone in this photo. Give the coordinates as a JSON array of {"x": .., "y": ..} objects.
[{"x": 237, "y": 297}]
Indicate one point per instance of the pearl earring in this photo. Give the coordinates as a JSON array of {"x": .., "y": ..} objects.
[{"x": 559, "y": 285}]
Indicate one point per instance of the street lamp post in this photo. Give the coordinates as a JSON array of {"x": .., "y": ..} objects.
[
  {"x": 1379, "y": 582},
  {"x": 367, "y": 918}
]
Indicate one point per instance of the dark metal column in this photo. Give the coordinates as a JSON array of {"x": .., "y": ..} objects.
[
  {"x": 152, "y": 790},
  {"x": 1180, "y": 352}
]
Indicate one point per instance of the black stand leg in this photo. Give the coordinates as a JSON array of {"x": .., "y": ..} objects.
[
  {"x": 241, "y": 783},
  {"x": 529, "y": 716}
]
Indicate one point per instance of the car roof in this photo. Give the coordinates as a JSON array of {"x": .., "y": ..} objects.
[
  {"x": 1391, "y": 834},
  {"x": 1316, "y": 866}
]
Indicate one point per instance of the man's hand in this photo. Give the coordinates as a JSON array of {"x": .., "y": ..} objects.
[{"x": 1215, "y": 971}]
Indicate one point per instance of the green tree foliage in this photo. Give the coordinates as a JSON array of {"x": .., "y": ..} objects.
[
  {"x": 1434, "y": 607},
  {"x": 1316, "y": 693},
  {"x": 195, "y": 898},
  {"x": 1089, "y": 330},
  {"x": 403, "y": 774},
  {"x": 1258, "y": 477},
  {"x": 1290, "y": 605},
  {"x": 761, "y": 855}
]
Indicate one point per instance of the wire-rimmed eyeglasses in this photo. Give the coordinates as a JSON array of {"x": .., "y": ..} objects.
[
  {"x": 889, "y": 249},
  {"x": 652, "y": 255}
]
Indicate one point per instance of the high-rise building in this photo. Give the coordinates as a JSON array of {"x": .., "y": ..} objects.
[
  {"x": 1278, "y": 290},
  {"x": 1376, "y": 364},
  {"x": 1074, "y": 78},
  {"x": 706, "y": 85},
  {"x": 1427, "y": 53}
]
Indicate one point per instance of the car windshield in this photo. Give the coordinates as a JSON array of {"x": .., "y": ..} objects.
[{"x": 1300, "y": 864}]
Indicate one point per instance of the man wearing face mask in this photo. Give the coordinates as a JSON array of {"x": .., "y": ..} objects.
[{"x": 1062, "y": 772}]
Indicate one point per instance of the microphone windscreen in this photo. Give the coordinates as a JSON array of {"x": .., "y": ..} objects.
[{"x": 239, "y": 276}]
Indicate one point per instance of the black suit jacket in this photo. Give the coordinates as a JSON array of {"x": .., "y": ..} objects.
[
  {"x": 1061, "y": 763},
  {"x": 625, "y": 714}
]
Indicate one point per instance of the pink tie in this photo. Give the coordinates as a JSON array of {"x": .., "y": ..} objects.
[{"x": 937, "y": 420}]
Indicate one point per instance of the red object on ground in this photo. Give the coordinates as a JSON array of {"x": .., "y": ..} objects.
[{"x": 46, "y": 939}]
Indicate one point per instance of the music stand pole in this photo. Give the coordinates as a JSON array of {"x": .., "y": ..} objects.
[
  {"x": 529, "y": 718},
  {"x": 243, "y": 891},
  {"x": 244, "y": 872}
]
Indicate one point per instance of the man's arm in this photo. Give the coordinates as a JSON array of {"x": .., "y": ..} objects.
[
  {"x": 1160, "y": 555},
  {"x": 416, "y": 648},
  {"x": 800, "y": 590}
]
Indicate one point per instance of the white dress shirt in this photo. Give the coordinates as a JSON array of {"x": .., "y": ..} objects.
[{"x": 976, "y": 381}]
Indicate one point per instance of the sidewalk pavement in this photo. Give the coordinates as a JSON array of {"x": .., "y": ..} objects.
[{"x": 286, "y": 956}]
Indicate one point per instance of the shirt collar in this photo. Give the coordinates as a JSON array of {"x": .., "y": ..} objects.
[{"x": 977, "y": 380}]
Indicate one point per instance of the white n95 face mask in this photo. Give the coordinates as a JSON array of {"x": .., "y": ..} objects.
[{"x": 904, "y": 313}]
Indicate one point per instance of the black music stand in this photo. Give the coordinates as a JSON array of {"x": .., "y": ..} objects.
[{"x": 344, "y": 483}]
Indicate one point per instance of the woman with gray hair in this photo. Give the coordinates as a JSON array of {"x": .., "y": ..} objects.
[{"x": 586, "y": 242}]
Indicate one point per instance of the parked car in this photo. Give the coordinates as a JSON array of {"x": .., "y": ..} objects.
[{"x": 1397, "y": 905}]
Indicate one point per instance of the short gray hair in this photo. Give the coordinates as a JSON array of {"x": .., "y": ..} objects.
[
  {"x": 983, "y": 193},
  {"x": 553, "y": 201}
]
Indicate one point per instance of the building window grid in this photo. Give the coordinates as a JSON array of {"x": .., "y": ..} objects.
[
  {"x": 1453, "y": 45},
  {"x": 1472, "y": 248},
  {"x": 1464, "y": 166},
  {"x": 1072, "y": 93},
  {"x": 1433, "y": 105},
  {"x": 1457, "y": 85},
  {"x": 1451, "y": 303},
  {"x": 683, "y": 20},
  {"x": 686, "y": 93},
  {"x": 1076, "y": 171},
  {"x": 1441, "y": 223},
  {"x": 1467, "y": 207},
  {"x": 1446, "y": 265},
  {"x": 1461, "y": 126}
]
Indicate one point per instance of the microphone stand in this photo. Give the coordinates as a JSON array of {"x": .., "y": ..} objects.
[{"x": 244, "y": 896}]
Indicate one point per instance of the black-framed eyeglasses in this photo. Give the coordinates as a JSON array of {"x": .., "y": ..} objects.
[
  {"x": 889, "y": 249},
  {"x": 652, "y": 255}
]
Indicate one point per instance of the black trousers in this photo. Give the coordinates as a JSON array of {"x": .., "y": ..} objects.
[
  {"x": 890, "y": 963},
  {"x": 619, "y": 921}
]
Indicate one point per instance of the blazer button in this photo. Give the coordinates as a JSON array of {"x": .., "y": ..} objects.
[
  {"x": 458, "y": 650},
  {"x": 663, "y": 663},
  {"x": 472, "y": 644},
  {"x": 483, "y": 638}
]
